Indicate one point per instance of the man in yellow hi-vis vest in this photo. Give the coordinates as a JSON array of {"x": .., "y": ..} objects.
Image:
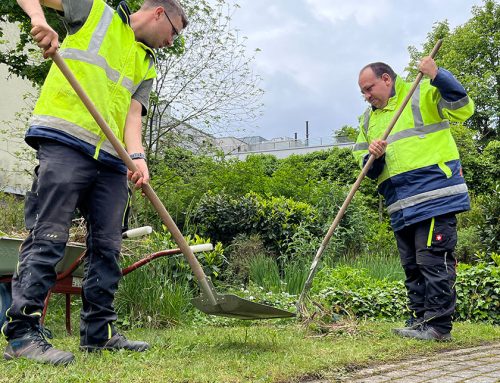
[
  {"x": 418, "y": 172},
  {"x": 111, "y": 54}
]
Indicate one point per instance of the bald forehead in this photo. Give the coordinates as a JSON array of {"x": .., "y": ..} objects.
[{"x": 367, "y": 72}]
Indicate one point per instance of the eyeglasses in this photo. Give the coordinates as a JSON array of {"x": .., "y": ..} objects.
[{"x": 176, "y": 32}]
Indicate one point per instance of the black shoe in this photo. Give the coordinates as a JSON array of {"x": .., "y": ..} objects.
[
  {"x": 33, "y": 345},
  {"x": 115, "y": 343},
  {"x": 426, "y": 332},
  {"x": 411, "y": 323}
]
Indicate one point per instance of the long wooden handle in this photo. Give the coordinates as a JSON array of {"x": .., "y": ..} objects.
[
  {"x": 146, "y": 188},
  {"x": 356, "y": 184}
]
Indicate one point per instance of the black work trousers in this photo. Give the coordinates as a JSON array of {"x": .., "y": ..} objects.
[
  {"x": 65, "y": 180},
  {"x": 426, "y": 251}
]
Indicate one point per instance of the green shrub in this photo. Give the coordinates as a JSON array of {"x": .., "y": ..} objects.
[
  {"x": 350, "y": 235},
  {"x": 175, "y": 266},
  {"x": 222, "y": 217},
  {"x": 469, "y": 243},
  {"x": 274, "y": 219},
  {"x": 478, "y": 292},
  {"x": 349, "y": 290},
  {"x": 490, "y": 230},
  {"x": 279, "y": 218}
]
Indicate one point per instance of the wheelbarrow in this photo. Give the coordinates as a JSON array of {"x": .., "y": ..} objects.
[{"x": 69, "y": 270}]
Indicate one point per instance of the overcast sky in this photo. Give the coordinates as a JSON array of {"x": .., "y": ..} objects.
[{"x": 312, "y": 50}]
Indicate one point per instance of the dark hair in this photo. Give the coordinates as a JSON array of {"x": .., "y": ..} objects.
[
  {"x": 172, "y": 7},
  {"x": 379, "y": 69}
]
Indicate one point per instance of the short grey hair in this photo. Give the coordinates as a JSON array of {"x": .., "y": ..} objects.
[{"x": 172, "y": 7}]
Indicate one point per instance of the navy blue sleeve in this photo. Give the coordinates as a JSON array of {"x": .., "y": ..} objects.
[
  {"x": 377, "y": 167},
  {"x": 448, "y": 86}
]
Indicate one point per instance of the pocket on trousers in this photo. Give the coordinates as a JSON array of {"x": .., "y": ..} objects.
[
  {"x": 30, "y": 210},
  {"x": 444, "y": 235}
]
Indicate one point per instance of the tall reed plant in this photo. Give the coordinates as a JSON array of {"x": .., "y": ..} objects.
[
  {"x": 264, "y": 272},
  {"x": 150, "y": 296}
]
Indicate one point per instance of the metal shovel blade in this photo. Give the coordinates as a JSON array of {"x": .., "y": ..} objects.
[{"x": 232, "y": 306}]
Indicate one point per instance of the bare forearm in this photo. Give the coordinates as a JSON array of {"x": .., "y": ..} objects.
[
  {"x": 133, "y": 143},
  {"x": 33, "y": 8},
  {"x": 133, "y": 129},
  {"x": 43, "y": 34}
]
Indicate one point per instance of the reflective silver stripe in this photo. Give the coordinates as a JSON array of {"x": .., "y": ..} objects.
[
  {"x": 427, "y": 196},
  {"x": 74, "y": 130},
  {"x": 453, "y": 105},
  {"x": 361, "y": 146},
  {"x": 415, "y": 108},
  {"x": 101, "y": 29},
  {"x": 90, "y": 58},
  {"x": 419, "y": 131},
  {"x": 366, "y": 121}
]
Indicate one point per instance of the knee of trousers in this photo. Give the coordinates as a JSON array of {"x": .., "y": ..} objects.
[
  {"x": 411, "y": 269},
  {"x": 103, "y": 271}
]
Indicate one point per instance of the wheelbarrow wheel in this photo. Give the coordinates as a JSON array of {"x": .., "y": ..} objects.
[{"x": 5, "y": 301}]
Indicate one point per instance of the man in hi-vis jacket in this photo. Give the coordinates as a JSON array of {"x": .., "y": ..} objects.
[
  {"x": 419, "y": 174},
  {"x": 111, "y": 54}
]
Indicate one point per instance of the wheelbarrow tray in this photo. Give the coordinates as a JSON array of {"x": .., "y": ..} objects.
[{"x": 9, "y": 255}]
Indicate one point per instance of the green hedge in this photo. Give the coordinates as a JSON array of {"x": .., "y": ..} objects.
[
  {"x": 351, "y": 291},
  {"x": 222, "y": 217}
]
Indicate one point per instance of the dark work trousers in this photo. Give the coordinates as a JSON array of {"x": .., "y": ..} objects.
[
  {"x": 426, "y": 251},
  {"x": 67, "y": 179}
]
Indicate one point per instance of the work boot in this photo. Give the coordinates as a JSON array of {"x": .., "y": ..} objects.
[
  {"x": 411, "y": 323},
  {"x": 426, "y": 332},
  {"x": 115, "y": 343},
  {"x": 34, "y": 345}
]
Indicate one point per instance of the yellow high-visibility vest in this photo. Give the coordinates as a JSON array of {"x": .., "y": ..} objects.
[{"x": 109, "y": 64}]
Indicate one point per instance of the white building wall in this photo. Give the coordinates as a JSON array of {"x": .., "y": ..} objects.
[{"x": 14, "y": 174}]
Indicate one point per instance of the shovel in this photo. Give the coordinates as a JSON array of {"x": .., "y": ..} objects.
[
  {"x": 307, "y": 285},
  {"x": 209, "y": 302}
]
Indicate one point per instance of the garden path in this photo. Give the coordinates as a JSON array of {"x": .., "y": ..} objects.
[{"x": 471, "y": 365}]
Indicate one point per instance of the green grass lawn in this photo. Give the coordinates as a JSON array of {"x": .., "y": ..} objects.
[{"x": 235, "y": 351}]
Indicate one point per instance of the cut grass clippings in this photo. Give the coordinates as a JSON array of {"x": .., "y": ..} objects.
[{"x": 237, "y": 351}]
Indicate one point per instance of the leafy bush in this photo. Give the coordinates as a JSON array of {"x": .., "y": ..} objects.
[
  {"x": 490, "y": 230},
  {"x": 356, "y": 224},
  {"x": 469, "y": 243},
  {"x": 353, "y": 291},
  {"x": 478, "y": 292},
  {"x": 279, "y": 218},
  {"x": 176, "y": 266},
  {"x": 222, "y": 217},
  {"x": 275, "y": 219}
]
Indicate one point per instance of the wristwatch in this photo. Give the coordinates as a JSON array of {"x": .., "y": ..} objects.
[{"x": 136, "y": 156}]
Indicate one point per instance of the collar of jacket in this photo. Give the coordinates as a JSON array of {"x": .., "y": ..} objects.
[{"x": 124, "y": 12}]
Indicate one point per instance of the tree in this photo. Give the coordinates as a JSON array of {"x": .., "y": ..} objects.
[
  {"x": 472, "y": 53},
  {"x": 211, "y": 85},
  {"x": 346, "y": 133},
  {"x": 204, "y": 80}
]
